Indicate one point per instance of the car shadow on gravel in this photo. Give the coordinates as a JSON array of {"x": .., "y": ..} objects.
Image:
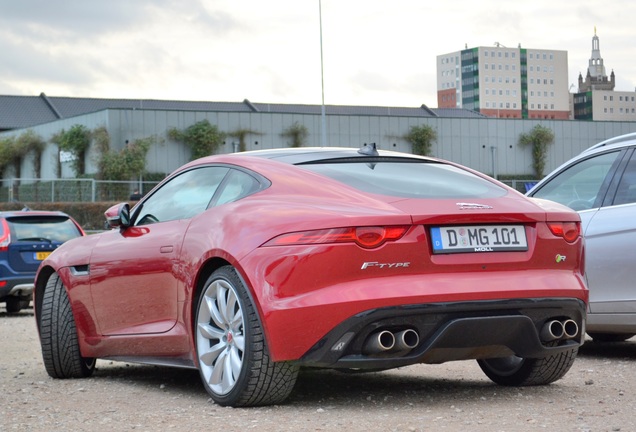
[
  {"x": 396, "y": 387},
  {"x": 323, "y": 386},
  {"x": 609, "y": 350}
]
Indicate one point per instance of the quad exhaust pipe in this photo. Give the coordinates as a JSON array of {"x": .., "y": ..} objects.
[
  {"x": 559, "y": 330},
  {"x": 385, "y": 341}
]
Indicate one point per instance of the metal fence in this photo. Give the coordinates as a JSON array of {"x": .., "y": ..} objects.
[
  {"x": 71, "y": 190},
  {"x": 91, "y": 190}
]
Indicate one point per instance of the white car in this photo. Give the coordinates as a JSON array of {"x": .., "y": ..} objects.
[{"x": 600, "y": 183}]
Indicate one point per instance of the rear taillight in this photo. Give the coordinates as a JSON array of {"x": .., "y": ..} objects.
[
  {"x": 569, "y": 231},
  {"x": 5, "y": 235},
  {"x": 366, "y": 237}
]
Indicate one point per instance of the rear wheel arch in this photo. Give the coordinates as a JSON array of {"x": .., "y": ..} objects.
[{"x": 206, "y": 270}]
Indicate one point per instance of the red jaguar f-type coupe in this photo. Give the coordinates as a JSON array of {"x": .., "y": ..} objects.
[{"x": 249, "y": 266}]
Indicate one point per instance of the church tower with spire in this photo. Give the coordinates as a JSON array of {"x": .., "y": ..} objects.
[
  {"x": 596, "y": 98},
  {"x": 596, "y": 78}
]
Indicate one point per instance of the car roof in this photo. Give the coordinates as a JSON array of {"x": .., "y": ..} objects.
[
  {"x": 28, "y": 212},
  {"x": 300, "y": 155},
  {"x": 615, "y": 142}
]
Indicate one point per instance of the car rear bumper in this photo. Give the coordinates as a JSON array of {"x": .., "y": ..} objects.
[
  {"x": 450, "y": 331},
  {"x": 20, "y": 287}
]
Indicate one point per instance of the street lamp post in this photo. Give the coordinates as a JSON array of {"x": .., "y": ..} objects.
[{"x": 323, "y": 135}]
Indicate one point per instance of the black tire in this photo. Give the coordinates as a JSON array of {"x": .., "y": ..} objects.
[
  {"x": 517, "y": 371},
  {"x": 58, "y": 335},
  {"x": 14, "y": 304},
  {"x": 610, "y": 337},
  {"x": 234, "y": 362}
]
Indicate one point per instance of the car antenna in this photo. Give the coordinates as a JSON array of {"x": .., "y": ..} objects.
[{"x": 369, "y": 150}]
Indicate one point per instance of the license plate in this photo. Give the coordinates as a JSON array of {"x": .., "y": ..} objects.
[
  {"x": 39, "y": 256},
  {"x": 479, "y": 238}
]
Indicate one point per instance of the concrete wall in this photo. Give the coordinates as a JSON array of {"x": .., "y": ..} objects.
[{"x": 488, "y": 145}]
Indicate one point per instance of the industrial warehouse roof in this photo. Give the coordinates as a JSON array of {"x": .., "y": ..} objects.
[{"x": 17, "y": 112}]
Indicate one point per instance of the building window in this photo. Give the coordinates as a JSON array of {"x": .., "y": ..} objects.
[
  {"x": 551, "y": 106},
  {"x": 605, "y": 97},
  {"x": 486, "y": 53},
  {"x": 605, "y": 110}
]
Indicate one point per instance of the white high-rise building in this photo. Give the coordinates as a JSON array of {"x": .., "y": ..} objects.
[{"x": 505, "y": 82}]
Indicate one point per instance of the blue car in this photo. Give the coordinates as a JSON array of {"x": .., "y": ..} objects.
[{"x": 26, "y": 238}]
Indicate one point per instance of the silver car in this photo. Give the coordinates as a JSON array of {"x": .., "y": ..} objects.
[{"x": 600, "y": 183}]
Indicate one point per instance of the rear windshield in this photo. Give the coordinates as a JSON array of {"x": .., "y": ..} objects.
[
  {"x": 39, "y": 228},
  {"x": 408, "y": 179}
]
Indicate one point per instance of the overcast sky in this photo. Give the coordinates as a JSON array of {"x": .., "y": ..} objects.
[{"x": 376, "y": 52}]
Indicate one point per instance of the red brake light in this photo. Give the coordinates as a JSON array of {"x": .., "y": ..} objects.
[
  {"x": 366, "y": 237},
  {"x": 569, "y": 231},
  {"x": 5, "y": 235}
]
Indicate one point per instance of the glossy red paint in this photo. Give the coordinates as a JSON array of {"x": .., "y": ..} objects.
[{"x": 137, "y": 297}]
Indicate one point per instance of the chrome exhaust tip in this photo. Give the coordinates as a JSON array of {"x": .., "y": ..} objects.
[
  {"x": 379, "y": 342},
  {"x": 406, "y": 340},
  {"x": 552, "y": 330},
  {"x": 570, "y": 329}
]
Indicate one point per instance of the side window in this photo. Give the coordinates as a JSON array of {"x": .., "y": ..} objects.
[
  {"x": 626, "y": 192},
  {"x": 578, "y": 185},
  {"x": 236, "y": 186},
  {"x": 182, "y": 197}
]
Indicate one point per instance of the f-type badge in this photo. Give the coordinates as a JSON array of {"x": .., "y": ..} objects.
[
  {"x": 472, "y": 206},
  {"x": 368, "y": 264}
]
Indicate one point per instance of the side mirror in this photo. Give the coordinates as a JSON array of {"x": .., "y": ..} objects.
[{"x": 118, "y": 216}]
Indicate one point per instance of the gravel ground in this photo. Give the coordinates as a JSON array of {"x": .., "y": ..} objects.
[{"x": 598, "y": 394}]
